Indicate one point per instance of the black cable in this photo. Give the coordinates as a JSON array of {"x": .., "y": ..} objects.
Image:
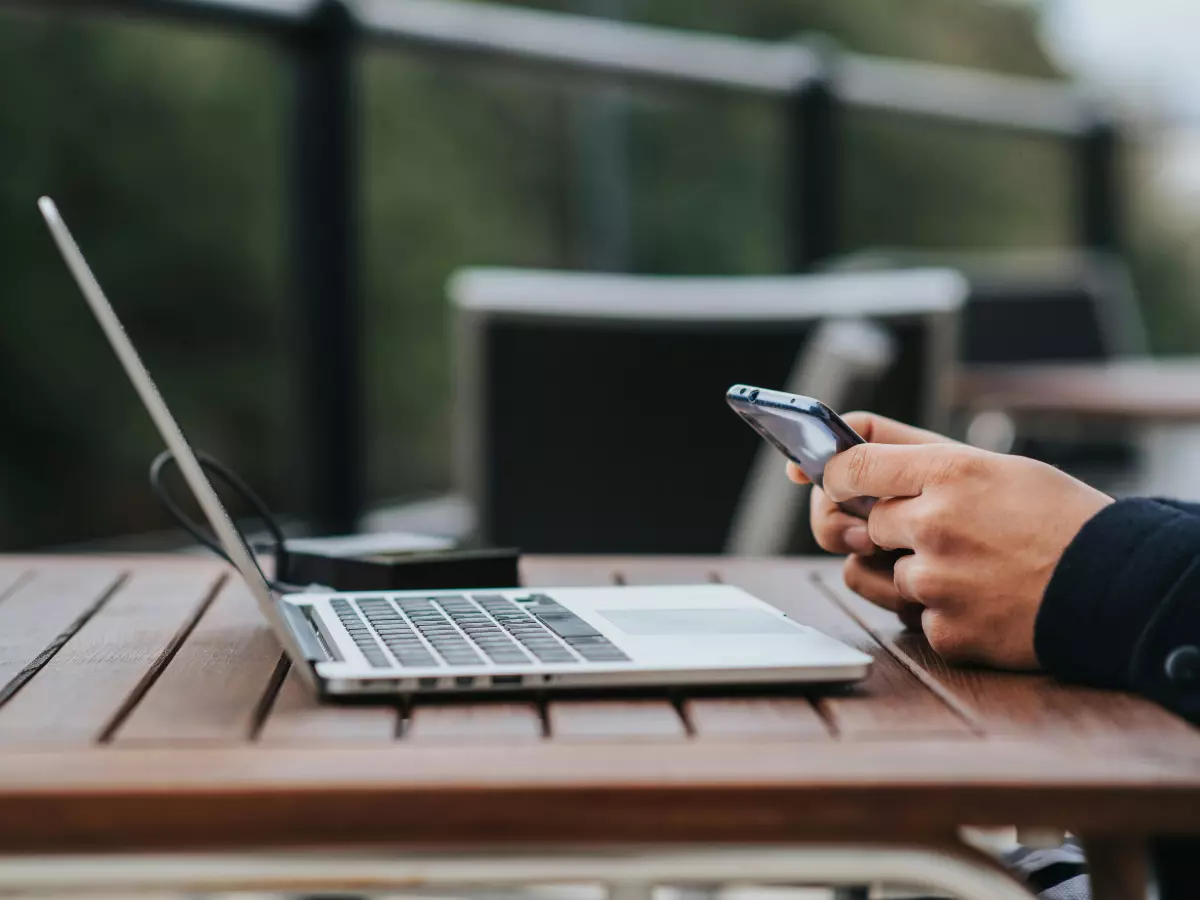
[{"x": 239, "y": 487}]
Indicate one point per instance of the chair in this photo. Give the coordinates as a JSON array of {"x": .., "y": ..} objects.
[
  {"x": 1059, "y": 306},
  {"x": 590, "y": 408},
  {"x": 841, "y": 358},
  {"x": 1033, "y": 306}
]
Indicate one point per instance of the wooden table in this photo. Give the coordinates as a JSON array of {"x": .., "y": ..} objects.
[
  {"x": 1149, "y": 390},
  {"x": 146, "y": 707}
]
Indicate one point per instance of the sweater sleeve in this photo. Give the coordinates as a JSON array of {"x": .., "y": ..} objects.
[{"x": 1122, "y": 609}]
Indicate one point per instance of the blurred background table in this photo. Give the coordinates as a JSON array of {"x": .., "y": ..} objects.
[{"x": 1143, "y": 391}]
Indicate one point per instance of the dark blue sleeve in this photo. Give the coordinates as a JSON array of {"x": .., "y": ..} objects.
[
  {"x": 1122, "y": 609},
  {"x": 1193, "y": 508}
]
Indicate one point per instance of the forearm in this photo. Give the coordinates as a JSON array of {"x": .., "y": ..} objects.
[{"x": 1123, "y": 607}]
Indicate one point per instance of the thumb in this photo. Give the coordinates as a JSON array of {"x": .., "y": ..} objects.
[{"x": 877, "y": 430}]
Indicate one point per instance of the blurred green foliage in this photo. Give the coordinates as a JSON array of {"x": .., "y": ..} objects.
[{"x": 167, "y": 149}]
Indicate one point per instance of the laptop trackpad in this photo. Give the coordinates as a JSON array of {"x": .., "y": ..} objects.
[{"x": 697, "y": 621}]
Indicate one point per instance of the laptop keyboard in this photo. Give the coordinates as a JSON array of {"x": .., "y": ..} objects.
[{"x": 483, "y": 629}]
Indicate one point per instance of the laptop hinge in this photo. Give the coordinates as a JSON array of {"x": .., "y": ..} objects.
[{"x": 306, "y": 633}]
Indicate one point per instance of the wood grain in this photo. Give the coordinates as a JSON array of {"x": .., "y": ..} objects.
[
  {"x": 601, "y": 720},
  {"x": 1015, "y": 703},
  {"x": 12, "y": 573},
  {"x": 755, "y": 718},
  {"x": 497, "y": 723},
  {"x": 1162, "y": 390},
  {"x": 891, "y": 702},
  {"x": 590, "y": 720},
  {"x": 666, "y": 570},
  {"x": 87, "y": 683},
  {"x": 180, "y": 773},
  {"x": 566, "y": 571},
  {"x": 42, "y": 611},
  {"x": 215, "y": 686},
  {"x": 737, "y": 718},
  {"x": 298, "y": 717},
  {"x": 558, "y": 793}
]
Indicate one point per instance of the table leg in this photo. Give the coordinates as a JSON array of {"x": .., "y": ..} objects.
[
  {"x": 1176, "y": 868},
  {"x": 1118, "y": 868}
]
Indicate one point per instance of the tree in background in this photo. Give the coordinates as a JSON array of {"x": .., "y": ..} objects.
[{"x": 167, "y": 150}]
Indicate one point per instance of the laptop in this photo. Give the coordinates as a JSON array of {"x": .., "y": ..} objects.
[{"x": 477, "y": 641}]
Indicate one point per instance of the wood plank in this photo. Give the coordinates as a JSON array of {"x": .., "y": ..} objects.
[
  {"x": 42, "y": 611},
  {"x": 891, "y": 702},
  {"x": 591, "y": 720},
  {"x": 12, "y": 573},
  {"x": 558, "y": 793},
  {"x": 1143, "y": 390},
  {"x": 650, "y": 570},
  {"x": 215, "y": 686},
  {"x": 137, "y": 797},
  {"x": 566, "y": 571},
  {"x": 626, "y": 720},
  {"x": 298, "y": 717},
  {"x": 737, "y": 718},
  {"x": 1015, "y": 703},
  {"x": 755, "y": 718},
  {"x": 86, "y": 684},
  {"x": 499, "y": 723}
]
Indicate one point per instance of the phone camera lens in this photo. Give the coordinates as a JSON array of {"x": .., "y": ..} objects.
[{"x": 752, "y": 396}]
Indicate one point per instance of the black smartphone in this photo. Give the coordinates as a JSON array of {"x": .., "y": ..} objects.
[{"x": 805, "y": 430}]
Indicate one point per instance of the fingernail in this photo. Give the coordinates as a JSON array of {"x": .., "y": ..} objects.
[{"x": 858, "y": 540}]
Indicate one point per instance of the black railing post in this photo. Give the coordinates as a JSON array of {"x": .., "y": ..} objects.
[
  {"x": 326, "y": 261},
  {"x": 813, "y": 166},
  {"x": 1099, "y": 189},
  {"x": 601, "y": 155}
]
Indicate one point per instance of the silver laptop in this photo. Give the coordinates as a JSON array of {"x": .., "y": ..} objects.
[{"x": 399, "y": 643}]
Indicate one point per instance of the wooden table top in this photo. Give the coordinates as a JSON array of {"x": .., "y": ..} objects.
[
  {"x": 146, "y": 706},
  {"x": 1162, "y": 390}
]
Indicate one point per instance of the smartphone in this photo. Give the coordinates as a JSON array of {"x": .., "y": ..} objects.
[{"x": 805, "y": 430}]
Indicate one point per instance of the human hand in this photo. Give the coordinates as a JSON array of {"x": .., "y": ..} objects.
[
  {"x": 839, "y": 532},
  {"x": 985, "y": 530}
]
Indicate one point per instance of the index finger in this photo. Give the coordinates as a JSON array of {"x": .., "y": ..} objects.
[
  {"x": 876, "y": 429},
  {"x": 886, "y": 470},
  {"x": 796, "y": 474}
]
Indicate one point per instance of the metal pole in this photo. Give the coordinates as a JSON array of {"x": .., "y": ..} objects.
[
  {"x": 326, "y": 261},
  {"x": 601, "y": 159},
  {"x": 812, "y": 203},
  {"x": 1098, "y": 188}
]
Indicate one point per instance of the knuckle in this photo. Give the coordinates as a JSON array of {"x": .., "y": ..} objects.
[
  {"x": 921, "y": 583},
  {"x": 960, "y": 463},
  {"x": 887, "y": 523},
  {"x": 943, "y": 636},
  {"x": 858, "y": 466},
  {"x": 932, "y": 529}
]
